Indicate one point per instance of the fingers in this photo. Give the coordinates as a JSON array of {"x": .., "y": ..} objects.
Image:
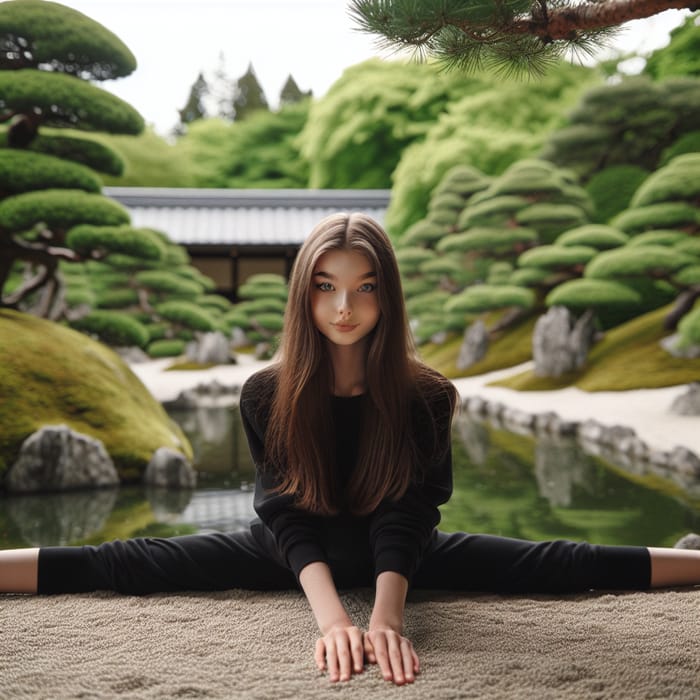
[
  {"x": 397, "y": 660},
  {"x": 342, "y": 652}
]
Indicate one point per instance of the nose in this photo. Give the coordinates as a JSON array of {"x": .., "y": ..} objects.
[{"x": 344, "y": 307}]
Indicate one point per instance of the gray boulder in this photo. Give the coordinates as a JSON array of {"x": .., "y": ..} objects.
[
  {"x": 474, "y": 345},
  {"x": 169, "y": 469},
  {"x": 56, "y": 458},
  {"x": 210, "y": 348},
  {"x": 673, "y": 346},
  {"x": 687, "y": 404},
  {"x": 560, "y": 344}
]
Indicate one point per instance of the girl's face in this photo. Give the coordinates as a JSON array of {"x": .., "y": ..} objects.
[{"x": 344, "y": 299}]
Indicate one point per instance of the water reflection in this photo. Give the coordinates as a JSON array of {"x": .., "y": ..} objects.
[
  {"x": 505, "y": 483},
  {"x": 57, "y": 519}
]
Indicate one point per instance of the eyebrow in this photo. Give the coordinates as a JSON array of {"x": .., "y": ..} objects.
[{"x": 329, "y": 276}]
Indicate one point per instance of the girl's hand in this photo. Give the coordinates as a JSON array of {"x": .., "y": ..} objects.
[
  {"x": 341, "y": 651},
  {"x": 394, "y": 653}
]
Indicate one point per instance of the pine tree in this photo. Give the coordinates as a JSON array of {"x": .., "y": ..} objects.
[
  {"x": 248, "y": 95},
  {"x": 509, "y": 35},
  {"x": 291, "y": 93},
  {"x": 194, "y": 107}
]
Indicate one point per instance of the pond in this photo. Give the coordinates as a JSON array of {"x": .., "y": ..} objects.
[{"x": 505, "y": 484}]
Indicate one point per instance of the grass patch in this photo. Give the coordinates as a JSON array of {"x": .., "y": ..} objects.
[
  {"x": 507, "y": 348},
  {"x": 628, "y": 357},
  {"x": 53, "y": 375}
]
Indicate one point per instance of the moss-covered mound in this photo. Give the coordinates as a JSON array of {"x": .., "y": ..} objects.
[
  {"x": 628, "y": 357},
  {"x": 50, "y": 374}
]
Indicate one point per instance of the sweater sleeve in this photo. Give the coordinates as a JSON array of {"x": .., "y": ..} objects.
[
  {"x": 400, "y": 530},
  {"x": 293, "y": 529}
]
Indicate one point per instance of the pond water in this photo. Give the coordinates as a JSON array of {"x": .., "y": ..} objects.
[{"x": 505, "y": 484}]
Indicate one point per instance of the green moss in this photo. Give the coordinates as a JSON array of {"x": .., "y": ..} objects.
[
  {"x": 628, "y": 357},
  {"x": 50, "y": 374},
  {"x": 507, "y": 349}
]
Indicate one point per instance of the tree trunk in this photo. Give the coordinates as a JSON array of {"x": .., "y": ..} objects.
[
  {"x": 684, "y": 303},
  {"x": 565, "y": 22}
]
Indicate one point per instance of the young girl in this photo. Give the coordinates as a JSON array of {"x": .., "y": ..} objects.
[{"x": 350, "y": 434}]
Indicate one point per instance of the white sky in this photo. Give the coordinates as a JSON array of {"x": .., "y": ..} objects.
[{"x": 314, "y": 40}]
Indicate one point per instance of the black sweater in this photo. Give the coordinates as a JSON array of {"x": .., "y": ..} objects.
[{"x": 397, "y": 533}]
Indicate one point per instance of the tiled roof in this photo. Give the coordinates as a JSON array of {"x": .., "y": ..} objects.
[{"x": 241, "y": 217}]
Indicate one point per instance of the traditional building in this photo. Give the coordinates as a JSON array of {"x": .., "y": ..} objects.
[{"x": 233, "y": 234}]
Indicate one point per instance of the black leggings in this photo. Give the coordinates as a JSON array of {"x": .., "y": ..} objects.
[{"x": 452, "y": 562}]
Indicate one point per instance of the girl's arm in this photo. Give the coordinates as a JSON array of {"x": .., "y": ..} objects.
[
  {"x": 384, "y": 642},
  {"x": 340, "y": 647}
]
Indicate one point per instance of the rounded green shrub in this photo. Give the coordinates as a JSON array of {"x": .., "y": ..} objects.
[
  {"x": 113, "y": 328},
  {"x": 166, "y": 348},
  {"x": 689, "y": 328},
  {"x": 598, "y": 236}
]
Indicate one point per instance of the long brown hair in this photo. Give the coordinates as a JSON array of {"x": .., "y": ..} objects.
[{"x": 299, "y": 434}]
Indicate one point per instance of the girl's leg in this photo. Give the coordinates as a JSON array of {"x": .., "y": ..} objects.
[
  {"x": 19, "y": 570},
  {"x": 674, "y": 567},
  {"x": 487, "y": 563},
  {"x": 147, "y": 565}
]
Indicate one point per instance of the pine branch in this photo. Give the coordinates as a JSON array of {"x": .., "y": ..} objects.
[
  {"x": 510, "y": 35},
  {"x": 568, "y": 21}
]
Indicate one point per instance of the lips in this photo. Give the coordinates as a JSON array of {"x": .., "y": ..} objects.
[{"x": 345, "y": 328}]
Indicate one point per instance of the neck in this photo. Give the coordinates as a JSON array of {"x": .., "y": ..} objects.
[{"x": 349, "y": 369}]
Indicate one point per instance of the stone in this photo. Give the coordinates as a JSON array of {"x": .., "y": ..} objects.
[
  {"x": 474, "y": 345},
  {"x": 560, "y": 344},
  {"x": 210, "y": 349},
  {"x": 687, "y": 404},
  {"x": 55, "y": 458},
  {"x": 169, "y": 469},
  {"x": 518, "y": 421},
  {"x": 684, "y": 461},
  {"x": 132, "y": 356},
  {"x": 211, "y": 395},
  {"x": 672, "y": 345},
  {"x": 689, "y": 541}
]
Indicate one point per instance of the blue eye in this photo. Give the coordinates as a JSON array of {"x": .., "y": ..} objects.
[
  {"x": 368, "y": 287},
  {"x": 325, "y": 286}
]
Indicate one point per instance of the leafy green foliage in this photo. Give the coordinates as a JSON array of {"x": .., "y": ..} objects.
[
  {"x": 485, "y": 297},
  {"x": 62, "y": 101},
  {"x": 248, "y": 95},
  {"x": 611, "y": 189},
  {"x": 682, "y": 54},
  {"x": 258, "y": 152},
  {"x": 595, "y": 236},
  {"x": 489, "y": 127},
  {"x": 36, "y": 33},
  {"x": 689, "y": 328},
  {"x": 631, "y": 123},
  {"x": 94, "y": 155},
  {"x": 355, "y": 136},
  {"x": 60, "y": 209},
  {"x": 113, "y": 328},
  {"x": 140, "y": 243},
  {"x": 24, "y": 171},
  {"x": 677, "y": 181},
  {"x": 166, "y": 348},
  {"x": 186, "y": 315}
]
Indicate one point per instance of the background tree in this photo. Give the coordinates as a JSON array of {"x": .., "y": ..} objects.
[
  {"x": 514, "y": 35},
  {"x": 356, "y": 133},
  {"x": 291, "y": 93},
  {"x": 248, "y": 95},
  {"x": 659, "y": 263},
  {"x": 258, "y": 152},
  {"x": 195, "y": 106},
  {"x": 486, "y": 125},
  {"x": 44, "y": 192},
  {"x": 67, "y": 252},
  {"x": 682, "y": 54}
]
